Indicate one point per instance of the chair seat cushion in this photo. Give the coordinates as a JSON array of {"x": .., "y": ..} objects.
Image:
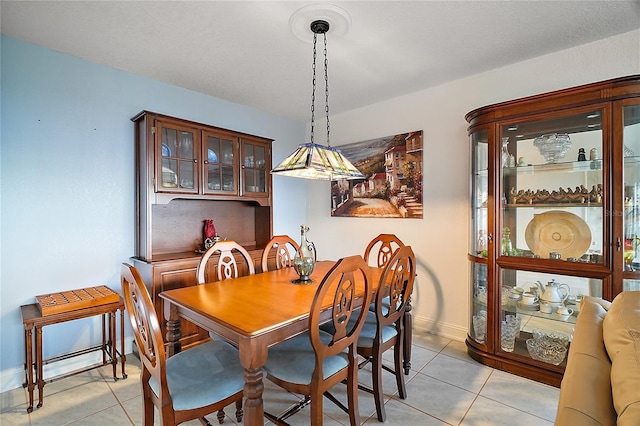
[
  {"x": 202, "y": 375},
  {"x": 293, "y": 361},
  {"x": 386, "y": 301},
  {"x": 368, "y": 332}
]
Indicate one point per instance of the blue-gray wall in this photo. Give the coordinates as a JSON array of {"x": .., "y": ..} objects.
[{"x": 67, "y": 176}]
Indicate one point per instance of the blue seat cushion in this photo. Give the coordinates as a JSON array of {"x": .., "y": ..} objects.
[
  {"x": 386, "y": 301},
  {"x": 294, "y": 360},
  {"x": 368, "y": 332},
  {"x": 202, "y": 375}
]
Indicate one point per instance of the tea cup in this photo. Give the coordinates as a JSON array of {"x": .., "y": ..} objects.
[
  {"x": 529, "y": 298},
  {"x": 516, "y": 293},
  {"x": 563, "y": 310},
  {"x": 546, "y": 308}
]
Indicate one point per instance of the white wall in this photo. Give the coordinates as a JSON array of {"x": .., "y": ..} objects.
[
  {"x": 440, "y": 239},
  {"x": 67, "y": 176}
]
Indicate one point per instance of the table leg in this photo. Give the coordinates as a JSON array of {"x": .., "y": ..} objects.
[
  {"x": 408, "y": 341},
  {"x": 28, "y": 344},
  {"x": 174, "y": 332},
  {"x": 39, "y": 377},
  {"x": 253, "y": 405},
  {"x": 252, "y": 358},
  {"x": 123, "y": 357}
]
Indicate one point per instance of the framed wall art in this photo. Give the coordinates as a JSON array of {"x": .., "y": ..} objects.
[{"x": 392, "y": 187}]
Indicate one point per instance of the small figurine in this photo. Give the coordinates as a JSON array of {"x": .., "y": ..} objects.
[
  {"x": 581, "y": 155},
  {"x": 521, "y": 162}
]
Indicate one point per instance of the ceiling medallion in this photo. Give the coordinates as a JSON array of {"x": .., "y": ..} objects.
[{"x": 338, "y": 19}]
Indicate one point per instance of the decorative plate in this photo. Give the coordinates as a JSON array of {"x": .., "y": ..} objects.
[
  {"x": 211, "y": 156},
  {"x": 558, "y": 231},
  {"x": 166, "y": 152}
]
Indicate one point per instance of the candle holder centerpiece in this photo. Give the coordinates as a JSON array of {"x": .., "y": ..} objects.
[{"x": 304, "y": 261}]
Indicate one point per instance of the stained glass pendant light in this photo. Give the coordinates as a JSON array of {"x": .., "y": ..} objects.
[{"x": 310, "y": 160}]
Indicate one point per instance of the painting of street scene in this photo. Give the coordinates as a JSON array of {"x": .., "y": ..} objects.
[{"x": 392, "y": 187}]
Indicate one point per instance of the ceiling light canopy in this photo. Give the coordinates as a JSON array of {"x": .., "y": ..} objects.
[{"x": 310, "y": 160}]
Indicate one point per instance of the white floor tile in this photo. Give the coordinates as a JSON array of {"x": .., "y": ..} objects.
[
  {"x": 523, "y": 394},
  {"x": 486, "y": 412},
  {"x": 463, "y": 374}
]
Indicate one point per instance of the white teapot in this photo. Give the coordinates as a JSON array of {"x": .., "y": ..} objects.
[{"x": 553, "y": 293}]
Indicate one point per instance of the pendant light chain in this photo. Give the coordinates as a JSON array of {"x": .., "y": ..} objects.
[
  {"x": 326, "y": 87},
  {"x": 310, "y": 160},
  {"x": 313, "y": 92}
]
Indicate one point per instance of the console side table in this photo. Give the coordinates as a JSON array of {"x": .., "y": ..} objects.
[{"x": 34, "y": 321}]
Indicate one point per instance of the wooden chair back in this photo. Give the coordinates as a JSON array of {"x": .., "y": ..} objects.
[
  {"x": 285, "y": 250},
  {"x": 345, "y": 318},
  {"x": 227, "y": 266},
  {"x": 392, "y": 298},
  {"x": 211, "y": 391},
  {"x": 382, "y": 247},
  {"x": 146, "y": 329},
  {"x": 340, "y": 284},
  {"x": 395, "y": 287}
]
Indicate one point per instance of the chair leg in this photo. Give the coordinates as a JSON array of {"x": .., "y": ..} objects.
[
  {"x": 407, "y": 341},
  {"x": 352, "y": 394},
  {"x": 398, "y": 356},
  {"x": 316, "y": 407},
  {"x": 239, "y": 412},
  {"x": 221, "y": 416},
  {"x": 376, "y": 367},
  {"x": 148, "y": 412},
  {"x": 205, "y": 422}
]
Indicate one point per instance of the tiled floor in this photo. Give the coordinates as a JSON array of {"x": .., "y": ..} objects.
[{"x": 445, "y": 387}]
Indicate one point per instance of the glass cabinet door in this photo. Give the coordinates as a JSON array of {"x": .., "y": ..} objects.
[
  {"x": 220, "y": 162},
  {"x": 254, "y": 167},
  {"x": 480, "y": 193},
  {"x": 479, "y": 302},
  {"x": 631, "y": 198},
  {"x": 178, "y": 172},
  {"x": 552, "y": 188}
]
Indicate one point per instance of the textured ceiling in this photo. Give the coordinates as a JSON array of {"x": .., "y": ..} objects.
[{"x": 245, "y": 51}]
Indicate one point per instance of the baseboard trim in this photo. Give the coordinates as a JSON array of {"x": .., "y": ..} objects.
[{"x": 449, "y": 331}]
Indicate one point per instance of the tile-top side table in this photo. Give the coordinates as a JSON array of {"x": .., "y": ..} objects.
[{"x": 34, "y": 321}]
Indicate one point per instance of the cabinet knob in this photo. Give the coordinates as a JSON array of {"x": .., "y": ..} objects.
[
  {"x": 206, "y": 162},
  {"x": 195, "y": 160}
]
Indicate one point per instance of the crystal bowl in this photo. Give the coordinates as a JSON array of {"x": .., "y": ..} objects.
[
  {"x": 546, "y": 351},
  {"x": 552, "y": 336},
  {"x": 553, "y": 146}
]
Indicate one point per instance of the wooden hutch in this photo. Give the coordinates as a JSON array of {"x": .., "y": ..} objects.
[{"x": 187, "y": 172}]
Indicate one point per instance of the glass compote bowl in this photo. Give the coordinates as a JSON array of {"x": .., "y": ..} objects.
[{"x": 553, "y": 146}]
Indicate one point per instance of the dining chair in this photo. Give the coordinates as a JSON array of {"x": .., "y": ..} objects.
[
  {"x": 313, "y": 362},
  {"x": 285, "y": 248},
  {"x": 384, "y": 328},
  {"x": 227, "y": 265},
  {"x": 189, "y": 385},
  {"x": 383, "y": 247}
]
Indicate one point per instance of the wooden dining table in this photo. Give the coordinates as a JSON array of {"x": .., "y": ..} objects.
[{"x": 252, "y": 312}]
